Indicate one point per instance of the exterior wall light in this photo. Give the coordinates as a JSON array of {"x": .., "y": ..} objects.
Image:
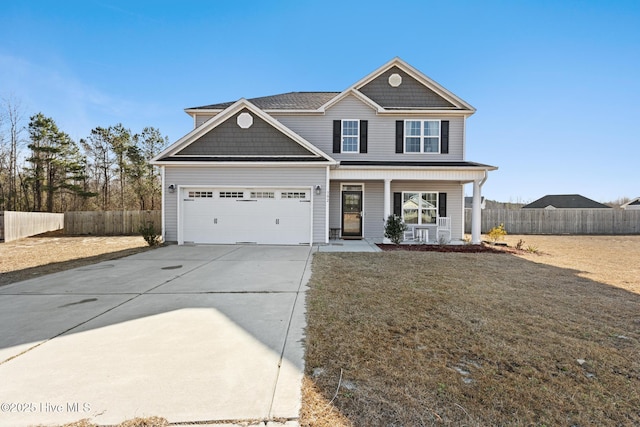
[
  {"x": 318, "y": 189},
  {"x": 172, "y": 188}
]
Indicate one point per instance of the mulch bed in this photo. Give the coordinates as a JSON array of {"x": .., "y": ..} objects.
[{"x": 445, "y": 248}]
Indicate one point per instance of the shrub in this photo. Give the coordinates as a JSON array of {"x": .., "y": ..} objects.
[
  {"x": 520, "y": 245},
  {"x": 150, "y": 234},
  {"x": 394, "y": 228},
  {"x": 497, "y": 233}
]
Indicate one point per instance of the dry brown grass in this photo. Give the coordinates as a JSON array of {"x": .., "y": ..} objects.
[
  {"x": 477, "y": 339},
  {"x": 34, "y": 256},
  {"x": 136, "y": 422}
]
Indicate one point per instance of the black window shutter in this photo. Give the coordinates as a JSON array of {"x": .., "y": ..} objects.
[
  {"x": 397, "y": 204},
  {"x": 337, "y": 135},
  {"x": 399, "y": 136},
  {"x": 444, "y": 136},
  {"x": 364, "y": 134},
  {"x": 442, "y": 204}
]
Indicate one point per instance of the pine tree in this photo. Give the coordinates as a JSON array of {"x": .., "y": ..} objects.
[{"x": 56, "y": 163}]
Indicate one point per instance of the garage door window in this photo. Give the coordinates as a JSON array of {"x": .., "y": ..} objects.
[
  {"x": 200, "y": 194},
  {"x": 262, "y": 194},
  {"x": 294, "y": 195},
  {"x": 231, "y": 194}
]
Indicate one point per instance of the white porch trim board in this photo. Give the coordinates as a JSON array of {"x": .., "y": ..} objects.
[{"x": 463, "y": 176}]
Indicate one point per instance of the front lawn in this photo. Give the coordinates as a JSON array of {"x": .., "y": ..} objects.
[{"x": 411, "y": 339}]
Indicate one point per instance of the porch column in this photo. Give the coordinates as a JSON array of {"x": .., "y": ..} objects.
[
  {"x": 386, "y": 205},
  {"x": 476, "y": 213}
]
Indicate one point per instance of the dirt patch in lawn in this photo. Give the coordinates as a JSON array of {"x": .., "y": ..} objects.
[
  {"x": 428, "y": 338},
  {"x": 34, "y": 256}
]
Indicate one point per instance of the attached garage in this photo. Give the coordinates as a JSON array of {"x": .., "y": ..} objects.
[{"x": 230, "y": 215}]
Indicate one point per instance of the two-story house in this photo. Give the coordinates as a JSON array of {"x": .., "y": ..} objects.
[{"x": 304, "y": 167}]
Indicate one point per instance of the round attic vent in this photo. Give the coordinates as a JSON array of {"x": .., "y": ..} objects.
[
  {"x": 245, "y": 120},
  {"x": 395, "y": 80}
]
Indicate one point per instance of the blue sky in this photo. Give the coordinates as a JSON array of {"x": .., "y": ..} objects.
[{"x": 556, "y": 83}]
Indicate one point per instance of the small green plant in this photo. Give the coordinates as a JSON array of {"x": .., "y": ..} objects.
[
  {"x": 532, "y": 249},
  {"x": 150, "y": 234},
  {"x": 520, "y": 245},
  {"x": 497, "y": 233},
  {"x": 394, "y": 229}
]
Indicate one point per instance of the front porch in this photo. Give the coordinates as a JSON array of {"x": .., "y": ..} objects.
[{"x": 361, "y": 199}]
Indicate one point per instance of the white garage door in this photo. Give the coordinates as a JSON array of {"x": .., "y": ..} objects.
[{"x": 243, "y": 215}]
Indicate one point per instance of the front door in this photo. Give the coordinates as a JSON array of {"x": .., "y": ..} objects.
[{"x": 351, "y": 214}]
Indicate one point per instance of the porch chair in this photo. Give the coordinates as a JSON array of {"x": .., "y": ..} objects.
[
  {"x": 409, "y": 235},
  {"x": 444, "y": 225}
]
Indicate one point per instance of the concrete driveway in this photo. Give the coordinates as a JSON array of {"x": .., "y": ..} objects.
[{"x": 189, "y": 333}]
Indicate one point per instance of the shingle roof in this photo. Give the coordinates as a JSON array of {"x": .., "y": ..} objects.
[
  {"x": 565, "y": 201},
  {"x": 284, "y": 101}
]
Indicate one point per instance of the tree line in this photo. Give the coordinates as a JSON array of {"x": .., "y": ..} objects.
[{"x": 42, "y": 169}]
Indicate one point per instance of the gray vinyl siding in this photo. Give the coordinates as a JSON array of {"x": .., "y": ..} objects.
[
  {"x": 201, "y": 118},
  {"x": 229, "y": 139},
  {"x": 455, "y": 199},
  {"x": 374, "y": 203},
  {"x": 335, "y": 201},
  {"x": 318, "y": 130},
  {"x": 374, "y": 209},
  {"x": 245, "y": 177},
  {"x": 373, "y": 225}
]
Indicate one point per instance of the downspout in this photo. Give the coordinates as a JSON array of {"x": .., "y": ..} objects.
[{"x": 486, "y": 175}]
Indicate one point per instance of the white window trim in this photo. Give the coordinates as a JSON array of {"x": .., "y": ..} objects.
[
  {"x": 437, "y": 208},
  {"x": 422, "y": 136},
  {"x": 342, "y": 136}
]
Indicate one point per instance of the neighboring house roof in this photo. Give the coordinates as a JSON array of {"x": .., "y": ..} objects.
[
  {"x": 633, "y": 202},
  {"x": 468, "y": 202},
  {"x": 565, "y": 201},
  {"x": 283, "y": 101}
]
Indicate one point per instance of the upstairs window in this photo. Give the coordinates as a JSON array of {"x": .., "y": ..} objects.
[
  {"x": 350, "y": 136},
  {"x": 422, "y": 136}
]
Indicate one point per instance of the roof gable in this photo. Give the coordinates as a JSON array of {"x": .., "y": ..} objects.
[
  {"x": 565, "y": 201},
  {"x": 229, "y": 139},
  {"x": 632, "y": 202},
  {"x": 242, "y": 131},
  {"x": 408, "y": 94},
  {"x": 429, "y": 95}
]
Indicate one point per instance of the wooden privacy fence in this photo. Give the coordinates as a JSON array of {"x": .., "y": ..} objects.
[
  {"x": 16, "y": 225},
  {"x": 109, "y": 223},
  {"x": 559, "y": 221}
]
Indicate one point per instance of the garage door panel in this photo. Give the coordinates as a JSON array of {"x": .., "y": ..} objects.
[{"x": 270, "y": 217}]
